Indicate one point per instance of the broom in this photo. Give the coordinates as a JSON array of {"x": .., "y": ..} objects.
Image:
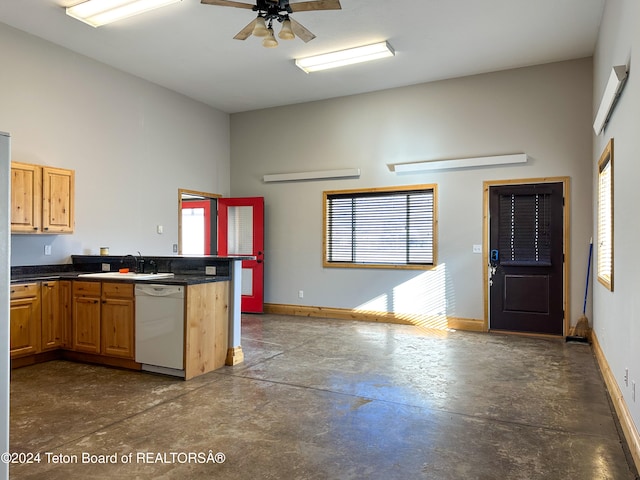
[{"x": 581, "y": 330}]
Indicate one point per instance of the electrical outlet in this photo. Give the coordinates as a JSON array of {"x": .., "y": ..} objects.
[
  {"x": 175, "y": 248},
  {"x": 477, "y": 248},
  {"x": 47, "y": 249},
  {"x": 300, "y": 293},
  {"x": 106, "y": 267},
  {"x": 626, "y": 377},
  {"x": 210, "y": 270}
]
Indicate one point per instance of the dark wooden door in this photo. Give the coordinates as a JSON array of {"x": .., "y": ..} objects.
[{"x": 526, "y": 256}]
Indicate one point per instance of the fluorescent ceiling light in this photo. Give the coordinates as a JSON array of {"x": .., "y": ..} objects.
[
  {"x": 345, "y": 57},
  {"x": 101, "y": 12},
  {"x": 611, "y": 92},
  {"x": 318, "y": 175},
  {"x": 459, "y": 163}
]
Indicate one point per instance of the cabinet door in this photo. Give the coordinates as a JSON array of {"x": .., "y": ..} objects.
[
  {"x": 65, "y": 313},
  {"x": 86, "y": 324},
  {"x": 117, "y": 327},
  {"x": 24, "y": 326},
  {"x": 26, "y": 198},
  {"x": 52, "y": 331},
  {"x": 57, "y": 206}
]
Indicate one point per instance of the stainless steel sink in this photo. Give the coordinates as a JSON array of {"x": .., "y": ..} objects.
[{"x": 128, "y": 275}]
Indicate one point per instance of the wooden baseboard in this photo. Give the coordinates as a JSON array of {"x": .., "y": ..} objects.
[
  {"x": 36, "y": 358},
  {"x": 101, "y": 360},
  {"x": 439, "y": 322},
  {"x": 235, "y": 355},
  {"x": 624, "y": 416}
]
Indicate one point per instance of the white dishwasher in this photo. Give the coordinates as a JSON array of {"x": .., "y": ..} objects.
[{"x": 160, "y": 328}]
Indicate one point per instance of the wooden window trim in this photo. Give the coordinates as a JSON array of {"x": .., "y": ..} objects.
[
  {"x": 399, "y": 189},
  {"x": 605, "y": 277}
]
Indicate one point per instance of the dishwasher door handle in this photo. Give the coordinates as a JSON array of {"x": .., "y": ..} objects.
[{"x": 159, "y": 290}]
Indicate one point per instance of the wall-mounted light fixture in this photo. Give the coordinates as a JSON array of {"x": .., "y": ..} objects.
[
  {"x": 611, "y": 93},
  {"x": 345, "y": 57},
  {"x": 318, "y": 175},
  {"x": 100, "y": 12},
  {"x": 458, "y": 163}
]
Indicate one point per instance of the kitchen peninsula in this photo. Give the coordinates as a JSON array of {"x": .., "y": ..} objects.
[{"x": 58, "y": 311}]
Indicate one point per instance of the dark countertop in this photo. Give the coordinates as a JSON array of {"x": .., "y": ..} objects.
[{"x": 178, "y": 279}]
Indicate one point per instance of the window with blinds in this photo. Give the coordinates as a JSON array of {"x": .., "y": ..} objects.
[
  {"x": 524, "y": 235},
  {"x": 605, "y": 217},
  {"x": 392, "y": 228}
]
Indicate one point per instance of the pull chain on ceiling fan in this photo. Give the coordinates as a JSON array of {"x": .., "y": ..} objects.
[{"x": 278, "y": 10}]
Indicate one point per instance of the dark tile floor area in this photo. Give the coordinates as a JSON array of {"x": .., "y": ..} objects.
[{"x": 329, "y": 399}]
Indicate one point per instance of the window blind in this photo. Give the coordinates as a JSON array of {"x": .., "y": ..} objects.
[
  {"x": 392, "y": 228},
  {"x": 605, "y": 223},
  {"x": 525, "y": 229}
]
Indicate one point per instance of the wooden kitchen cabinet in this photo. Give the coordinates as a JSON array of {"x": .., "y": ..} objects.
[
  {"x": 86, "y": 317},
  {"x": 66, "y": 307},
  {"x": 52, "y": 328},
  {"x": 118, "y": 313},
  {"x": 42, "y": 199},
  {"x": 25, "y": 315},
  {"x": 26, "y": 198},
  {"x": 206, "y": 328}
]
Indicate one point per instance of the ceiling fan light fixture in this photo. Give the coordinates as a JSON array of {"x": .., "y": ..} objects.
[
  {"x": 286, "y": 33},
  {"x": 260, "y": 29},
  {"x": 270, "y": 40},
  {"x": 101, "y": 12},
  {"x": 342, "y": 58}
]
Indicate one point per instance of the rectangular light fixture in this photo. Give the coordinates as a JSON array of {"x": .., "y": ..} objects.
[
  {"x": 345, "y": 57},
  {"x": 611, "y": 92},
  {"x": 319, "y": 175},
  {"x": 459, "y": 163},
  {"x": 100, "y": 12}
]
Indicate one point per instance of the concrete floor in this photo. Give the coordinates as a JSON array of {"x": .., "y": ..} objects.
[{"x": 329, "y": 399}]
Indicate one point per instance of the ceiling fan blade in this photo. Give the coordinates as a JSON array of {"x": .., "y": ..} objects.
[
  {"x": 227, "y": 3},
  {"x": 315, "y": 5},
  {"x": 301, "y": 31},
  {"x": 246, "y": 31}
]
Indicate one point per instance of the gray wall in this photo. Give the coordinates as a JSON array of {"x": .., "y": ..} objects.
[
  {"x": 131, "y": 143},
  {"x": 616, "y": 315},
  {"x": 5, "y": 249},
  {"x": 544, "y": 111}
]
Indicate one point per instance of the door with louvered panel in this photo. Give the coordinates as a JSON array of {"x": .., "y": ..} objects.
[{"x": 526, "y": 258}]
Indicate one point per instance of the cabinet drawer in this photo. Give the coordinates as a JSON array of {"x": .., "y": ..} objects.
[
  {"x": 24, "y": 290},
  {"x": 117, "y": 290},
  {"x": 91, "y": 289}
]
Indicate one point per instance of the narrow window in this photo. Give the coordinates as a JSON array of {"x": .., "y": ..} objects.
[
  {"x": 605, "y": 217},
  {"x": 386, "y": 228}
]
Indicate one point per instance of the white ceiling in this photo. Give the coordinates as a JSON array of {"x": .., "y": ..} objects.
[{"x": 189, "y": 47}]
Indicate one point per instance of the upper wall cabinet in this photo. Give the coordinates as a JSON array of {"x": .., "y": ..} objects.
[{"x": 41, "y": 199}]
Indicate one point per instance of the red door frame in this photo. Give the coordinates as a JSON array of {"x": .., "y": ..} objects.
[{"x": 206, "y": 206}]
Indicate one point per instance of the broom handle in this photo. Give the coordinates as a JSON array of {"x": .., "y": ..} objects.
[{"x": 586, "y": 289}]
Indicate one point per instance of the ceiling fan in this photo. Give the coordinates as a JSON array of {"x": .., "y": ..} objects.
[{"x": 278, "y": 10}]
